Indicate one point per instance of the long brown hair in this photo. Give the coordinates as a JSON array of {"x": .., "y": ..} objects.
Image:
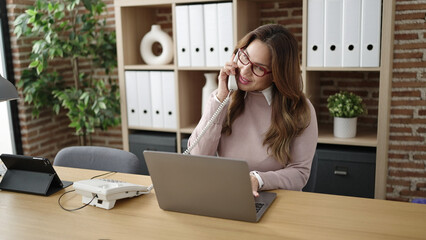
[{"x": 290, "y": 110}]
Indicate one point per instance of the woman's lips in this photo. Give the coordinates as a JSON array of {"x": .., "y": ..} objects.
[{"x": 243, "y": 80}]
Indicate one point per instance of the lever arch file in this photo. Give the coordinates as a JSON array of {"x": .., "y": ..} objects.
[
  {"x": 315, "y": 49},
  {"x": 370, "y": 33},
  {"x": 144, "y": 98},
  {"x": 169, "y": 99},
  {"x": 225, "y": 32},
  {"x": 132, "y": 98},
  {"x": 211, "y": 29},
  {"x": 182, "y": 36},
  {"x": 196, "y": 33},
  {"x": 156, "y": 99},
  {"x": 333, "y": 33},
  {"x": 351, "y": 33}
]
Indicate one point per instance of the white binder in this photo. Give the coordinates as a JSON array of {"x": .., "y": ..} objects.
[
  {"x": 132, "y": 99},
  {"x": 182, "y": 36},
  {"x": 210, "y": 34},
  {"x": 156, "y": 99},
  {"x": 333, "y": 33},
  {"x": 144, "y": 98},
  {"x": 370, "y": 32},
  {"x": 226, "y": 32},
  {"x": 196, "y": 33},
  {"x": 315, "y": 39},
  {"x": 169, "y": 99},
  {"x": 351, "y": 33}
]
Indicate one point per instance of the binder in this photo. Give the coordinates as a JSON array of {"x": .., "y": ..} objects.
[
  {"x": 144, "y": 99},
  {"x": 370, "y": 32},
  {"x": 156, "y": 99},
  {"x": 333, "y": 33},
  {"x": 210, "y": 34},
  {"x": 351, "y": 33},
  {"x": 169, "y": 99},
  {"x": 196, "y": 35},
  {"x": 225, "y": 32},
  {"x": 132, "y": 98},
  {"x": 315, "y": 49},
  {"x": 182, "y": 36}
]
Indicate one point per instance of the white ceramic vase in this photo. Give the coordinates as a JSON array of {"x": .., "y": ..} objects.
[
  {"x": 209, "y": 87},
  {"x": 345, "y": 127},
  {"x": 153, "y": 36}
]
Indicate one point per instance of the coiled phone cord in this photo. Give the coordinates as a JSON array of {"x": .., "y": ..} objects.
[{"x": 209, "y": 123}]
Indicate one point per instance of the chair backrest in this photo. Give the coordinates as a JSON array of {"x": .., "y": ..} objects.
[
  {"x": 310, "y": 185},
  {"x": 98, "y": 158}
]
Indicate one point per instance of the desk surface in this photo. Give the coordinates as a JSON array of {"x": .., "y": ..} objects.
[{"x": 293, "y": 215}]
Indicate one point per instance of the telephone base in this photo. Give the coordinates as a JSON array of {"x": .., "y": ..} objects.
[{"x": 99, "y": 202}]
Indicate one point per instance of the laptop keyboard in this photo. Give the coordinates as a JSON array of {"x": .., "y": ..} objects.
[{"x": 259, "y": 206}]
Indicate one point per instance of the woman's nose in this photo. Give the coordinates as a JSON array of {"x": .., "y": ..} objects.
[{"x": 245, "y": 69}]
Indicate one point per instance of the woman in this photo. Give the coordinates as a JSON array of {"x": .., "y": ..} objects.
[{"x": 269, "y": 123}]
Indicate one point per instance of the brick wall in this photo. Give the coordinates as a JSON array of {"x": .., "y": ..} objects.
[
  {"x": 407, "y": 141},
  {"x": 49, "y": 133},
  {"x": 407, "y": 151}
]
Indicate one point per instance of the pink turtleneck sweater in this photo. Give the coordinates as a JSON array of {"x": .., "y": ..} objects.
[{"x": 246, "y": 143}]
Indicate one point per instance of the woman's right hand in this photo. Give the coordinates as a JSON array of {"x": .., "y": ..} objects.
[{"x": 225, "y": 71}]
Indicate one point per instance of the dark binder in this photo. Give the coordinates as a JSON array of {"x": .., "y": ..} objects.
[{"x": 30, "y": 175}]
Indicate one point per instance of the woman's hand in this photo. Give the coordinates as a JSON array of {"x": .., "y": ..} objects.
[
  {"x": 227, "y": 70},
  {"x": 254, "y": 185}
]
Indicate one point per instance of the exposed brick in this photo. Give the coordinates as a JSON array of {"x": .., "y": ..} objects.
[
  {"x": 405, "y": 112},
  {"x": 415, "y": 55},
  {"x": 399, "y": 182},
  {"x": 413, "y": 93},
  {"x": 408, "y": 84},
  {"x": 410, "y": 16},
  {"x": 406, "y": 138},
  {"x": 410, "y": 64},
  {"x": 413, "y": 6},
  {"x": 419, "y": 156},
  {"x": 407, "y": 147},
  {"x": 404, "y": 75},
  {"x": 410, "y": 45},
  {"x": 408, "y": 102},
  {"x": 413, "y": 193}
]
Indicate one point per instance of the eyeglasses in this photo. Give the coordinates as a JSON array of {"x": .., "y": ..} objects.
[{"x": 256, "y": 69}]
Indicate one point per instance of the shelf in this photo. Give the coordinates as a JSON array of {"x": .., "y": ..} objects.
[
  {"x": 149, "y": 67},
  {"x": 152, "y": 129},
  {"x": 199, "y": 68},
  {"x": 344, "y": 69},
  {"x": 366, "y": 137}
]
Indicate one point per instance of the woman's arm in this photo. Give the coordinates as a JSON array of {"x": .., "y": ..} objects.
[{"x": 209, "y": 142}]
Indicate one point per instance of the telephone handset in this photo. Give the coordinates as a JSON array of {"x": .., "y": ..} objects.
[
  {"x": 232, "y": 83},
  {"x": 232, "y": 86}
]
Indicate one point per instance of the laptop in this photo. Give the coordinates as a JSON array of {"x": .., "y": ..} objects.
[
  {"x": 33, "y": 175},
  {"x": 205, "y": 185}
]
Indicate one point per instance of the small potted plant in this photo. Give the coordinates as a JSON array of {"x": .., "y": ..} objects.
[{"x": 345, "y": 107}]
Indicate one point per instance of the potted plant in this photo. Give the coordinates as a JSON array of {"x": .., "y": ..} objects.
[
  {"x": 74, "y": 31},
  {"x": 345, "y": 107}
]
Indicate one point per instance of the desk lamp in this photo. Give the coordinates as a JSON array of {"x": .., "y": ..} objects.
[{"x": 7, "y": 90}]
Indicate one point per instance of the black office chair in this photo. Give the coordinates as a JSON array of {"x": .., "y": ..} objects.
[
  {"x": 98, "y": 158},
  {"x": 310, "y": 185}
]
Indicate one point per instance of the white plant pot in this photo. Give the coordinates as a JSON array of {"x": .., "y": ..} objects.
[
  {"x": 208, "y": 88},
  {"x": 153, "y": 36},
  {"x": 345, "y": 127}
]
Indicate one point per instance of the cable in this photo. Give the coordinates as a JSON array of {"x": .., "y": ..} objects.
[
  {"x": 209, "y": 123},
  {"x": 74, "y": 209},
  {"x": 85, "y": 205}
]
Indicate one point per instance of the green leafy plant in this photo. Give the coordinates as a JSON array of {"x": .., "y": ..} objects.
[
  {"x": 74, "y": 31},
  {"x": 346, "y": 105}
]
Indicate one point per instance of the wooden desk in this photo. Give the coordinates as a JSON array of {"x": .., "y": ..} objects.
[{"x": 293, "y": 215}]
